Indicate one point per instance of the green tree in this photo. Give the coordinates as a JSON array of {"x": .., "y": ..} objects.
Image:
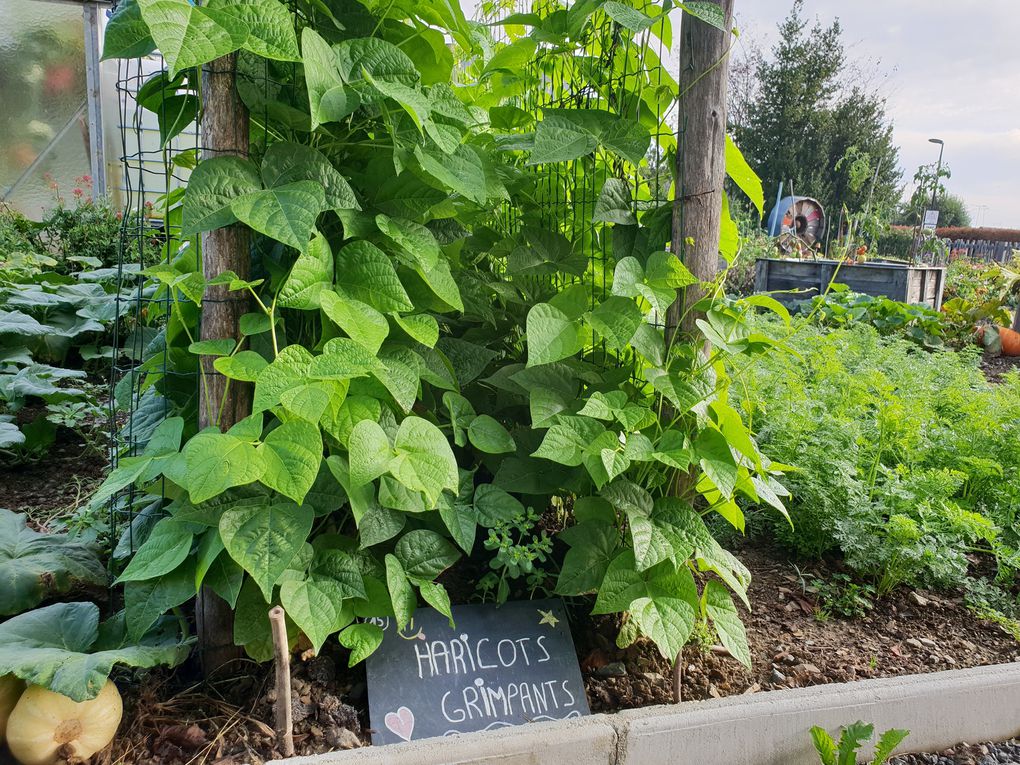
[
  {"x": 799, "y": 117},
  {"x": 952, "y": 211}
]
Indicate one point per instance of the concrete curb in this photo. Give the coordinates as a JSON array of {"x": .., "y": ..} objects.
[{"x": 939, "y": 709}]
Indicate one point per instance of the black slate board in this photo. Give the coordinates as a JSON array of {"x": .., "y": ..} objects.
[{"x": 498, "y": 667}]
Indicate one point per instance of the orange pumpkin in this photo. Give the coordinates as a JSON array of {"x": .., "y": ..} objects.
[{"x": 1010, "y": 341}]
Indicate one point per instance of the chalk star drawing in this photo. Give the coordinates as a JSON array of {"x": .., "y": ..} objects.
[{"x": 547, "y": 618}]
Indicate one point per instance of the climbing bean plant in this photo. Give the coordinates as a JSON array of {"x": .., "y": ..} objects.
[{"x": 429, "y": 357}]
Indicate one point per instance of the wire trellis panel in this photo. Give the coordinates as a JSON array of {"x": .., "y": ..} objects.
[{"x": 607, "y": 71}]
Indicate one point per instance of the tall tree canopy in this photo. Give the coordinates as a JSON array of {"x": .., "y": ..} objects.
[{"x": 797, "y": 112}]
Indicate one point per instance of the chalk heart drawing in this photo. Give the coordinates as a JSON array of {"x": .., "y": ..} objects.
[{"x": 401, "y": 722}]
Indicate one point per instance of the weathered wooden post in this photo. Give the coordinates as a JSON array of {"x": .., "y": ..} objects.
[
  {"x": 224, "y": 130},
  {"x": 701, "y": 170}
]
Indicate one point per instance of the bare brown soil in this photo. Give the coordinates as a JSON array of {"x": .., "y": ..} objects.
[{"x": 996, "y": 367}]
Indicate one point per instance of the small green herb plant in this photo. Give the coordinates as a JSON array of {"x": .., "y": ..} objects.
[
  {"x": 851, "y": 739},
  {"x": 518, "y": 552},
  {"x": 839, "y": 595}
]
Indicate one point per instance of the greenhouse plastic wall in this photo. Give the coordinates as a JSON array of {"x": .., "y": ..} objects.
[{"x": 43, "y": 123}]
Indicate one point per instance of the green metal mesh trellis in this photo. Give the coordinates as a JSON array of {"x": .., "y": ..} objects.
[{"x": 608, "y": 70}]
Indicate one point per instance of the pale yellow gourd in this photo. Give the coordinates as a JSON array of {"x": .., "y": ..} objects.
[
  {"x": 43, "y": 721},
  {"x": 11, "y": 689}
]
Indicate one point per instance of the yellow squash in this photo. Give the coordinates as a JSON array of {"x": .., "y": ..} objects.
[
  {"x": 11, "y": 689},
  {"x": 43, "y": 721}
]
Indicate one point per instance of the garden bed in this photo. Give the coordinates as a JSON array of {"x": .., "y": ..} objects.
[
  {"x": 897, "y": 281},
  {"x": 228, "y": 722}
]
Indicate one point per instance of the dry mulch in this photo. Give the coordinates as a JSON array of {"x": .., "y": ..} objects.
[
  {"x": 1007, "y": 752},
  {"x": 228, "y": 721}
]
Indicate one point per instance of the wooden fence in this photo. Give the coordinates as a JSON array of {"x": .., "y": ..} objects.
[{"x": 979, "y": 249}]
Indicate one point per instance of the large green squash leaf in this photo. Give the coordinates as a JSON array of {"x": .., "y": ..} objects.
[
  {"x": 63, "y": 647},
  {"x": 34, "y": 566}
]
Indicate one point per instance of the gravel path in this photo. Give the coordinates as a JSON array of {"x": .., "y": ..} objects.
[{"x": 966, "y": 754}]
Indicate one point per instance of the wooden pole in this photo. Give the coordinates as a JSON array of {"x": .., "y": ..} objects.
[
  {"x": 224, "y": 130},
  {"x": 284, "y": 710},
  {"x": 701, "y": 171},
  {"x": 700, "y": 164}
]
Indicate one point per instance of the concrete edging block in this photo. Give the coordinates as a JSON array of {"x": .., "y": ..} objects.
[
  {"x": 581, "y": 741},
  {"x": 940, "y": 710}
]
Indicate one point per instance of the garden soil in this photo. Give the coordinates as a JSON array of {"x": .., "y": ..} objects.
[
  {"x": 55, "y": 485},
  {"x": 995, "y": 367}
]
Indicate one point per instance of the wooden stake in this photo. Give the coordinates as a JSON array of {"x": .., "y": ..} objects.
[
  {"x": 701, "y": 171},
  {"x": 284, "y": 711},
  {"x": 678, "y": 677},
  {"x": 700, "y": 164},
  {"x": 224, "y": 131}
]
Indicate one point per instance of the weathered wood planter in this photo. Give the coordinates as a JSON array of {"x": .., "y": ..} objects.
[{"x": 906, "y": 284}]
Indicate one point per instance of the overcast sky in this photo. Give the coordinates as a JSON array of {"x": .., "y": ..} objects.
[{"x": 951, "y": 70}]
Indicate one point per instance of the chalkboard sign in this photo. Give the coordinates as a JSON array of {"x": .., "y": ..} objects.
[{"x": 498, "y": 667}]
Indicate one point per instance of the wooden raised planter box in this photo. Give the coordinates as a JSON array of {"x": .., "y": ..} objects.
[{"x": 897, "y": 281}]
